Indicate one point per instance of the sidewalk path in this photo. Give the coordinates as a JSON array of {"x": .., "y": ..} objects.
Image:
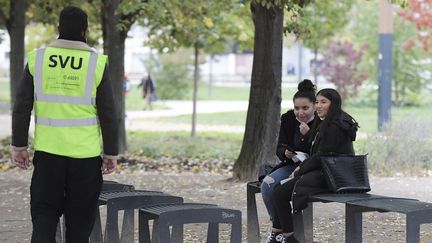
[
  {"x": 136, "y": 119},
  {"x": 182, "y": 107}
]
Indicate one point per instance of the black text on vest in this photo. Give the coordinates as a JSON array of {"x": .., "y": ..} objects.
[{"x": 64, "y": 62}]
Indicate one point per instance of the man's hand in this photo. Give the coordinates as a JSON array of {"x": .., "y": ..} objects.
[
  {"x": 21, "y": 158},
  {"x": 108, "y": 165}
]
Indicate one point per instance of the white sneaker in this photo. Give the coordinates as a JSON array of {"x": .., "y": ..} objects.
[{"x": 274, "y": 238}]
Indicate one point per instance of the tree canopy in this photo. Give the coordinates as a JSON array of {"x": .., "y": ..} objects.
[{"x": 209, "y": 24}]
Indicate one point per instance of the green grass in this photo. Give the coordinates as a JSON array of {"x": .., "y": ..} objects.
[
  {"x": 4, "y": 91},
  {"x": 181, "y": 144},
  {"x": 221, "y": 92},
  {"x": 134, "y": 100},
  {"x": 230, "y": 92},
  {"x": 4, "y": 97},
  {"x": 222, "y": 118},
  {"x": 367, "y": 117}
]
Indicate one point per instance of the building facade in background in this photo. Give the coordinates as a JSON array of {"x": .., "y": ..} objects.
[{"x": 228, "y": 68}]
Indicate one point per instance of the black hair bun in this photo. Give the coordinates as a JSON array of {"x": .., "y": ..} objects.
[{"x": 306, "y": 85}]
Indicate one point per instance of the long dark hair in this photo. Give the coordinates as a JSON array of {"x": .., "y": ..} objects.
[
  {"x": 334, "y": 113},
  {"x": 335, "y": 109}
]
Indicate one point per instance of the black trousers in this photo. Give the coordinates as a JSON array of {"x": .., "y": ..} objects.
[
  {"x": 68, "y": 186},
  {"x": 282, "y": 195}
]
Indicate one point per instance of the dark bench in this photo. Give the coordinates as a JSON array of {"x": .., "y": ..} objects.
[
  {"x": 416, "y": 212},
  {"x": 176, "y": 215},
  {"x": 96, "y": 234},
  {"x": 129, "y": 200},
  {"x": 355, "y": 204}
]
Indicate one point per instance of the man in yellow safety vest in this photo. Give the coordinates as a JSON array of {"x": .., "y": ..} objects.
[{"x": 68, "y": 85}]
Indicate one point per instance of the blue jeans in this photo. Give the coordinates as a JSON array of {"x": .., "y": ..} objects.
[{"x": 270, "y": 181}]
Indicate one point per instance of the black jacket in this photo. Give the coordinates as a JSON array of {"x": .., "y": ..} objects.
[
  {"x": 104, "y": 105},
  {"x": 337, "y": 139},
  {"x": 289, "y": 135}
]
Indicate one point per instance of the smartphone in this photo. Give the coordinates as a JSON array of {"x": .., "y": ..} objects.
[{"x": 289, "y": 148}]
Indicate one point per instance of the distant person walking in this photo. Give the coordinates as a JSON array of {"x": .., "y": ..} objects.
[
  {"x": 67, "y": 84},
  {"x": 126, "y": 84},
  {"x": 149, "y": 91}
]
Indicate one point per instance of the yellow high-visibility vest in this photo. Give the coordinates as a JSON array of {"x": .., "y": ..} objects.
[{"x": 65, "y": 84}]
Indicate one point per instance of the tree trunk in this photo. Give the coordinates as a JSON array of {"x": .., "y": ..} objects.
[
  {"x": 114, "y": 46},
  {"x": 195, "y": 90},
  {"x": 263, "y": 117},
  {"x": 16, "y": 29}
]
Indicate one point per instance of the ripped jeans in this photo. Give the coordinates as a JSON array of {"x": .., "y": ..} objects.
[{"x": 270, "y": 181}]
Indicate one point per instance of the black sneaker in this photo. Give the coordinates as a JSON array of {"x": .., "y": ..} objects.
[
  {"x": 274, "y": 238},
  {"x": 290, "y": 239}
]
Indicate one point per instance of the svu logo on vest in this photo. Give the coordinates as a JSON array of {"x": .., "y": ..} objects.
[{"x": 55, "y": 59}]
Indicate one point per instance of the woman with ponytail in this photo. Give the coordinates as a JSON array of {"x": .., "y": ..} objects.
[
  {"x": 293, "y": 136},
  {"x": 333, "y": 133}
]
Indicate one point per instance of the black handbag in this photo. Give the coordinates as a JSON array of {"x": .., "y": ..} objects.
[{"x": 346, "y": 173}]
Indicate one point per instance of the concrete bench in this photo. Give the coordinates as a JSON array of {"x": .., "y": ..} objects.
[
  {"x": 116, "y": 201},
  {"x": 176, "y": 215},
  {"x": 355, "y": 204}
]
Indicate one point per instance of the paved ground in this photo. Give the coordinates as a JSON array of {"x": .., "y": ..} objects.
[{"x": 15, "y": 224}]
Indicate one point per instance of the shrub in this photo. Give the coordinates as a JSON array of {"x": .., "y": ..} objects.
[
  {"x": 172, "y": 78},
  {"x": 403, "y": 148}
]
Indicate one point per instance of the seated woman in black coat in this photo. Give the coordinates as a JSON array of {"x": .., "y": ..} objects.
[
  {"x": 294, "y": 133},
  {"x": 334, "y": 134}
]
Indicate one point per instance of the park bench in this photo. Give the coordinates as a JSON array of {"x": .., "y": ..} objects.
[
  {"x": 416, "y": 212},
  {"x": 163, "y": 209},
  {"x": 116, "y": 201},
  {"x": 120, "y": 197},
  {"x": 176, "y": 215},
  {"x": 96, "y": 234}
]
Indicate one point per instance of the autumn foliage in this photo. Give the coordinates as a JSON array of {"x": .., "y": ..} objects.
[
  {"x": 420, "y": 13},
  {"x": 341, "y": 67}
]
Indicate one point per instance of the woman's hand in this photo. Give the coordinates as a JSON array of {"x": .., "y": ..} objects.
[
  {"x": 295, "y": 172},
  {"x": 304, "y": 128},
  {"x": 289, "y": 154}
]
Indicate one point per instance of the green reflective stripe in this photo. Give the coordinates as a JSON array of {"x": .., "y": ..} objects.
[
  {"x": 66, "y": 122},
  {"x": 38, "y": 73},
  {"x": 91, "y": 74},
  {"x": 86, "y": 100}
]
